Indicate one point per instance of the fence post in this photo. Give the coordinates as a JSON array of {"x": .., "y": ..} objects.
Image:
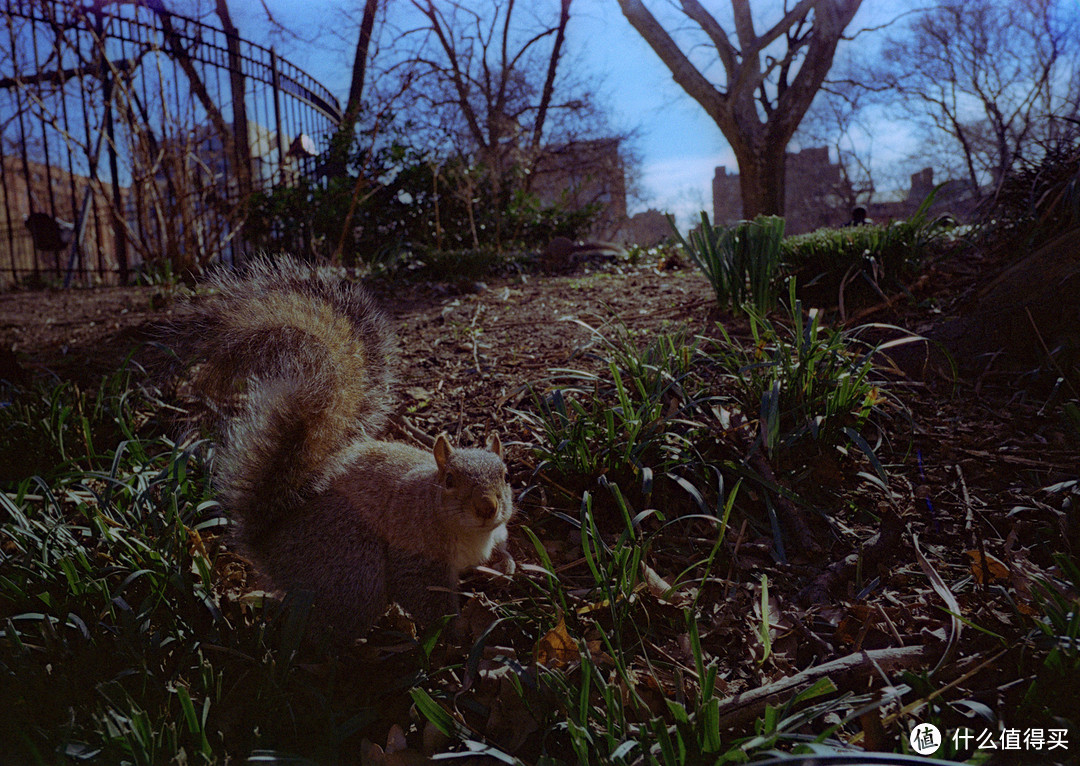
[
  {"x": 275, "y": 82},
  {"x": 134, "y": 56},
  {"x": 119, "y": 234},
  {"x": 241, "y": 138}
]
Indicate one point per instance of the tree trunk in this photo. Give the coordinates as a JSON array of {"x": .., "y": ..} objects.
[
  {"x": 241, "y": 139},
  {"x": 549, "y": 81},
  {"x": 761, "y": 180},
  {"x": 342, "y": 140},
  {"x": 359, "y": 70}
]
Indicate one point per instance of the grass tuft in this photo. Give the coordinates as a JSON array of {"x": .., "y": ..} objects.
[{"x": 742, "y": 262}]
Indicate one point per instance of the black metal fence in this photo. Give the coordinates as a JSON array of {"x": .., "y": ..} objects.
[{"x": 132, "y": 138}]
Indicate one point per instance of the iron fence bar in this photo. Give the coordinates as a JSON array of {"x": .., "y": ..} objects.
[
  {"x": 91, "y": 169},
  {"x": 108, "y": 83},
  {"x": 80, "y": 221},
  {"x": 22, "y": 143},
  {"x": 237, "y": 79},
  {"x": 277, "y": 112},
  {"x": 47, "y": 153},
  {"x": 77, "y": 211},
  {"x": 7, "y": 212}
]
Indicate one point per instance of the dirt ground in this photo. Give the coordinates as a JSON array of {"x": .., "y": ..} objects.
[
  {"x": 466, "y": 358},
  {"x": 462, "y": 355},
  {"x": 979, "y": 456}
]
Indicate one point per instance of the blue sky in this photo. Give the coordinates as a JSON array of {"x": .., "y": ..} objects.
[{"x": 679, "y": 145}]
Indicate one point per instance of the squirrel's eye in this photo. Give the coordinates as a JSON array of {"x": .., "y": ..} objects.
[{"x": 449, "y": 481}]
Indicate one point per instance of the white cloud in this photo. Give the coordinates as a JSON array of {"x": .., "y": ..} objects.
[{"x": 683, "y": 185}]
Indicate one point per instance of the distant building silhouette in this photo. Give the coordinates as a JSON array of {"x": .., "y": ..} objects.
[
  {"x": 648, "y": 229},
  {"x": 954, "y": 197},
  {"x": 816, "y": 194},
  {"x": 580, "y": 173},
  {"x": 813, "y": 194}
]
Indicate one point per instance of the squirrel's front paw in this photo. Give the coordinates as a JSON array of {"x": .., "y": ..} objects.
[
  {"x": 504, "y": 561},
  {"x": 508, "y": 565}
]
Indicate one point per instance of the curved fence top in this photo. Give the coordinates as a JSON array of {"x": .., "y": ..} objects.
[{"x": 135, "y": 136}]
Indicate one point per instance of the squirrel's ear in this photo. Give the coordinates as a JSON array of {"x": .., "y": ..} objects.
[
  {"x": 494, "y": 444},
  {"x": 442, "y": 450}
]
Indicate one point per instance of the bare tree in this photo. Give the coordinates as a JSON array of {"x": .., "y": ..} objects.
[
  {"x": 762, "y": 96},
  {"x": 837, "y": 119},
  {"x": 486, "y": 59},
  {"x": 480, "y": 66},
  {"x": 241, "y": 149},
  {"x": 992, "y": 77}
]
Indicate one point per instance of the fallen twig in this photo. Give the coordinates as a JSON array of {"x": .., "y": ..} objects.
[{"x": 742, "y": 709}]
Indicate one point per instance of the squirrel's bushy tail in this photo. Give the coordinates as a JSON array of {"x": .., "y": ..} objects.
[{"x": 291, "y": 368}]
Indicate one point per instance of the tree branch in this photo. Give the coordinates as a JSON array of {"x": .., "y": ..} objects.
[
  {"x": 549, "y": 80},
  {"x": 796, "y": 14},
  {"x": 729, "y": 57},
  {"x": 682, "y": 70},
  {"x": 428, "y": 9}
]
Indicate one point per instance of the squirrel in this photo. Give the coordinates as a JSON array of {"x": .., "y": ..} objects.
[{"x": 292, "y": 366}]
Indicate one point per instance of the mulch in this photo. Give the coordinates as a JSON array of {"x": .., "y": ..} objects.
[{"x": 969, "y": 476}]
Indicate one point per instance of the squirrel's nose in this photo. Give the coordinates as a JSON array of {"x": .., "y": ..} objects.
[{"x": 486, "y": 507}]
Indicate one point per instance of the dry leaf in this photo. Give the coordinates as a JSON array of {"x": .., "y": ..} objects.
[
  {"x": 395, "y": 739},
  {"x": 399, "y": 620},
  {"x": 397, "y": 752},
  {"x": 594, "y": 607},
  {"x": 478, "y": 614},
  {"x": 996, "y": 569},
  {"x": 648, "y": 690},
  {"x": 847, "y": 632},
  {"x": 257, "y": 598},
  {"x": 371, "y": 754},
  {"x": 557, "y": 649},
  {"x": 875, "y": 737},
  {"x": 510, "y": 722},
  {"x": 195, "y": 543},
  {"x": 660, "y": 588}
]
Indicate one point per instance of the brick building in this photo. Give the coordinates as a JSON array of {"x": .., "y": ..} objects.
[
  {"x": 954, "y": 197},
  {"x": 816, "y": 194},
  {"x": 58, "y": 194}
]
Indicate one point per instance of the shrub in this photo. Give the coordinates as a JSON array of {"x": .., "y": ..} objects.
[
  {"x": 529, "y": 221},
  {"x": 880, "y": 255},
  {"x": 741, "y": 262},
  {"x": 469, "y": 264},
  {"x": 1039, "y": 199},
  {"x": 406, "y": 200}
]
